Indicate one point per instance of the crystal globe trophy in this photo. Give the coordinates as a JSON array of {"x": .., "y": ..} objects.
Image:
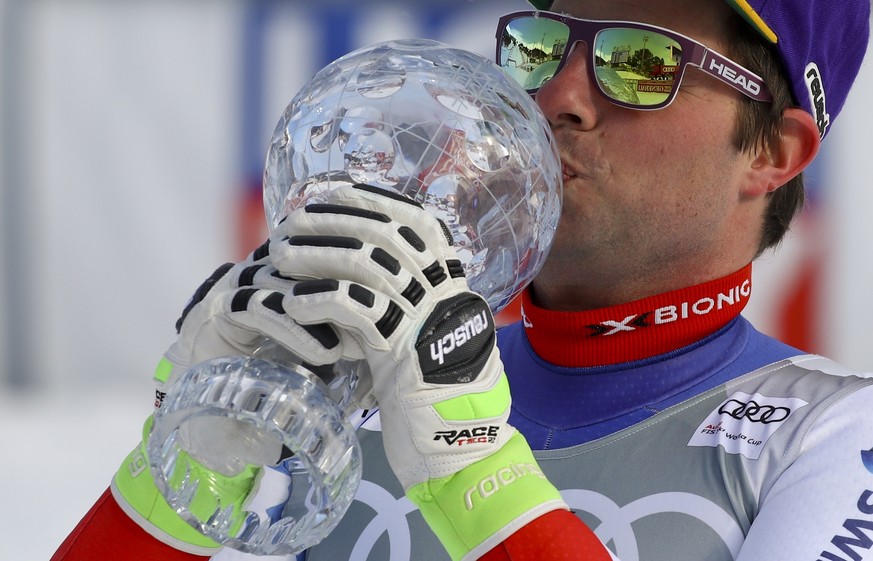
[{"x": 446, "y": 128}]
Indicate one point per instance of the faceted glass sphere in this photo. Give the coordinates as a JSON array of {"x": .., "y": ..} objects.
[{"x": 445, "y": 127}]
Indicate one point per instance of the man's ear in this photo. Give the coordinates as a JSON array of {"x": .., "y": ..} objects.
[{"x": 798, "y": 144}]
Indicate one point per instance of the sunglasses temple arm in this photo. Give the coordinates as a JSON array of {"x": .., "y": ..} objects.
[{"x": 731, "y": 73}]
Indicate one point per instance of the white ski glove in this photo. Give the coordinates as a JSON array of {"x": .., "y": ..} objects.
[
  {"x": 391, "y": 278},
  {"x": 231, "y": 314},
  {"x": 235, "y": 310}
]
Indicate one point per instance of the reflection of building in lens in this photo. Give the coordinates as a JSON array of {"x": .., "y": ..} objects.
[{"x": 620, "y": 55}]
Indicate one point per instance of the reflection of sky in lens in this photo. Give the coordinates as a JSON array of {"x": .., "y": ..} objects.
[
  {"x": 659, "y": 45},
  {"x": 538, "y": 32}
]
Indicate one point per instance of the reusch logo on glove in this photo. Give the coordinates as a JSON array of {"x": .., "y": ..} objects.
[
  {"x": 455, "y": 341},
  {"x": 476, "y": 435}
]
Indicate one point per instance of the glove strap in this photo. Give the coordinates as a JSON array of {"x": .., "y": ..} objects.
[{"x": 480, "y": 506}]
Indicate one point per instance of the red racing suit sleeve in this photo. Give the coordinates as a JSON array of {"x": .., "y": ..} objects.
[
  {"x": 556, "y": 535},
  {"x": 106, "y": 533}
]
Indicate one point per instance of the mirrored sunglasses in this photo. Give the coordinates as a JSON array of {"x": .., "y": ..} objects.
[{"x": 634, "y": 65}]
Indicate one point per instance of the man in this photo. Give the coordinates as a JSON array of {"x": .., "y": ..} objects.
[{"x": 670, "y": 426}]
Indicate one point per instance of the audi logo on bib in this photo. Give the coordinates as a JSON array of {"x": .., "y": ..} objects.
[
  {"x": 753, "y": 411},
  {"x": 743, "y": 423}
]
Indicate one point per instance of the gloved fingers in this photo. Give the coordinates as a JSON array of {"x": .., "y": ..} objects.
[
  {"x": 205, "y": 287},
  {"x": 262, "y": 275},
  {"x": 260, "y": 254},
  {"x": 229, "y": 275},
  {"x": 432, "y": 231},
  {"x": 370, "y": 316},
  {"x": 351, "y": 238},
  {"x": 249, "y": 315},
  {"x": 350, "y": 259},
  {"x": 415, "y": 226},
  {"x": 451, "y": 346},
  {"x": 335, "y": 223}
]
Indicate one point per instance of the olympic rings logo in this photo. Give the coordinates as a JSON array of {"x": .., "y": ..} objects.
[
  {"x": 617, "y": 526},
  {"x": 754, "y": 412}
]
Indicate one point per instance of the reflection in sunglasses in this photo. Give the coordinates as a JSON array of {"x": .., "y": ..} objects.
[
  {"x": 633, "y": 64},
  {"x": 645, "y": 63}
]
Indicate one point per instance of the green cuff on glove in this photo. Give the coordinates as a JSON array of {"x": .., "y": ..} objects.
[
  {"x": 134, "y": 489},
  {"x": 481, "y": 505}
]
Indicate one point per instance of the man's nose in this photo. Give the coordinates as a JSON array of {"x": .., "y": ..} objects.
[{"x": 567, "y": 99}]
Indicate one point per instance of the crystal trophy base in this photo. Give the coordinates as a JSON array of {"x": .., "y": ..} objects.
[{"x": 255, "y": 455}]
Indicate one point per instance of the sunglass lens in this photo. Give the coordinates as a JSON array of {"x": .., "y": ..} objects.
[
  {"x": 635, "y": 66},
  {"x": 531, "y": 49}
]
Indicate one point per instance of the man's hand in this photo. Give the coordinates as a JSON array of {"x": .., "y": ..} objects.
[
  {"x": 235, "y": 311},
  {"x": 387, "y": 274}
]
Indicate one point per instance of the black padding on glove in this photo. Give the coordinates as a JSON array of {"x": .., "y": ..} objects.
[
  {"x": 341, "y": 242},
  {"x": 413, "y": 292},
  {"x": 456, "y": 268},
  {"x": 399, "y": 197},
  {"x": 386, "y": 193},
  {"x": 322, "y": 332},
  {"x": 324, "y": 208},
  {"x": 241, "y": 299},
  {"x": 316, "y": 286},
  {"x": 435, "y": 273},
  {"x": 446, "y": 232},
  {"x": 202, "y": 291},
  {"x": 262, "y": 251},
  {"x": 274, "y": 302},
  {"x": 412, "y": 238},
  {"x": 389, "y": 321},
  {"x": 385, "y": 260},
  {"x": 453, "y": 340},
  {"x": 361, "y": 295},
  {"x": 247, "y": 276}
]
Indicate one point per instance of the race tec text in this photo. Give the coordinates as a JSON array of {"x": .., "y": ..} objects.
[{"x": 476, "y": 435}]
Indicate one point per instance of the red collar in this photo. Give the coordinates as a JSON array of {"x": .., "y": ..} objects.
[{"x": 639, "y": 329}]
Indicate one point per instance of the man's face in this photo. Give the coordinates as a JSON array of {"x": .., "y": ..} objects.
[{"x": 649, "y": 196}]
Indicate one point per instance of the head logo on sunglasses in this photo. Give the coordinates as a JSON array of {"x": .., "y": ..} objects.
[{"x": 634, "y": 65}]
